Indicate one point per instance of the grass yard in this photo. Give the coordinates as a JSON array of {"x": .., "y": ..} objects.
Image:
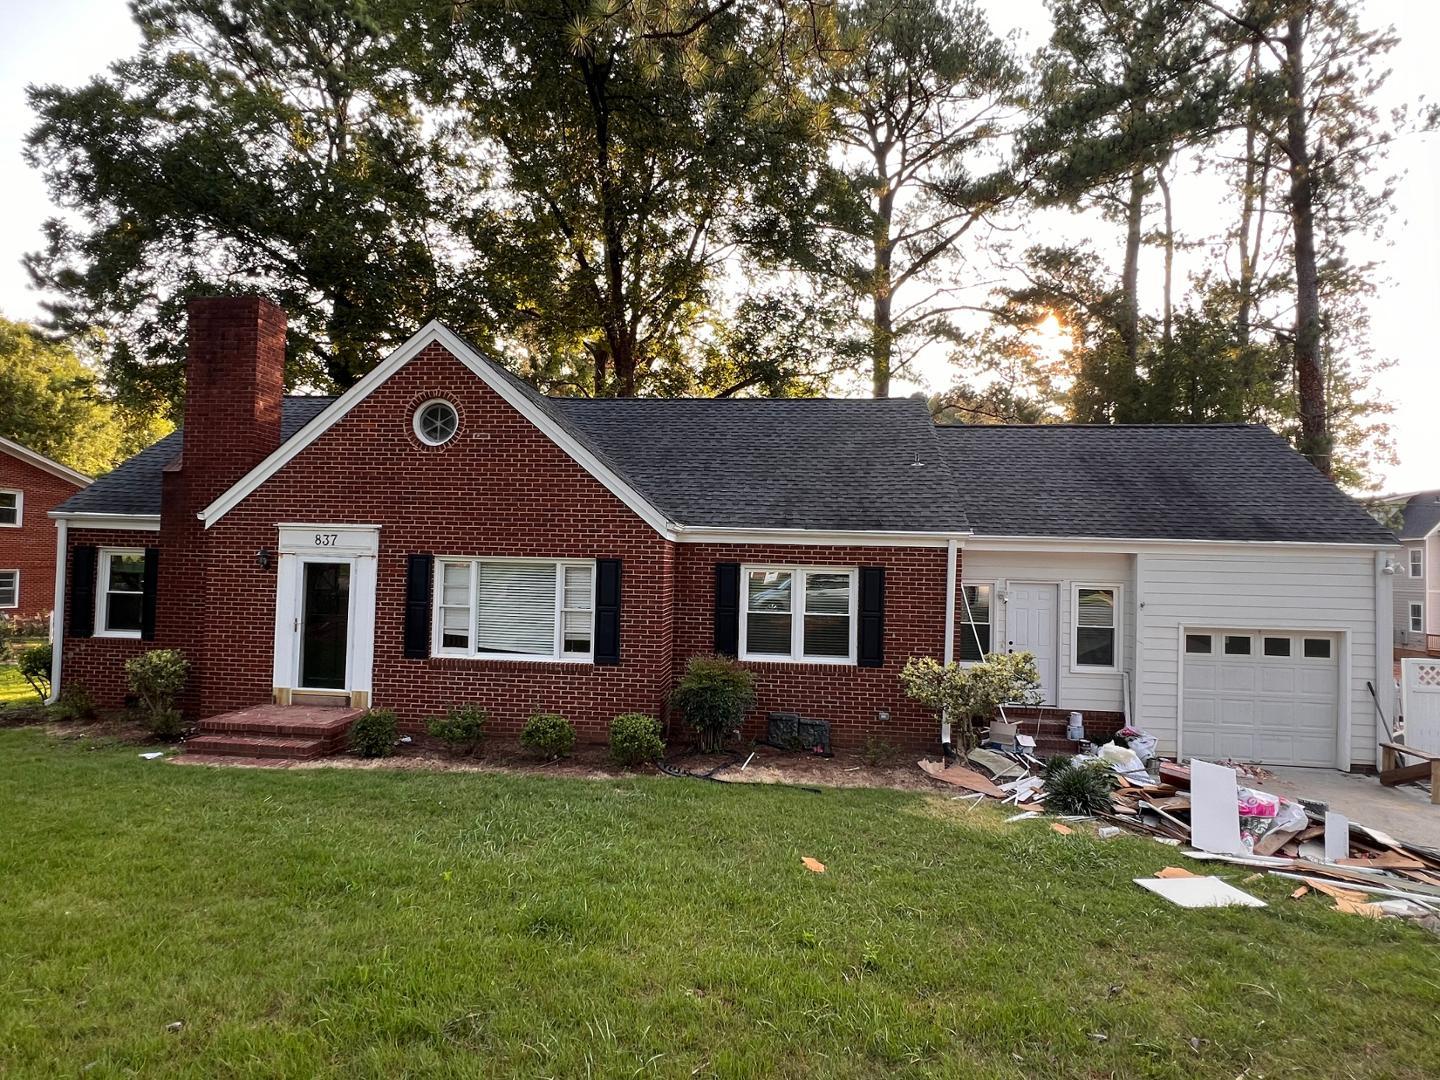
[
  {"x": 347, "y": 922},
  {"x": 13, "y": 686}
]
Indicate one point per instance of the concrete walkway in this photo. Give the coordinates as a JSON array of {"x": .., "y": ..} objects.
[{"x": 1406, "y": 813}]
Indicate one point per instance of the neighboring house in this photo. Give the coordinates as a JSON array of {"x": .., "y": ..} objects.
[
  {"x": 1417, "y": 570},
  {"x": 31, "y": 485},
  {"x": 441, "y": 533}
]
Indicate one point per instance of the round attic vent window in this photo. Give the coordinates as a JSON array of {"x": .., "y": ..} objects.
[{"x": 436, "y": 422}]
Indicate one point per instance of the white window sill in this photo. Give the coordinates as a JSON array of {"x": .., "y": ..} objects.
[
  {"x": 832, "y": 661},
  {"x": 518, "y": 658},
  {"x": 132, "y": 634}
]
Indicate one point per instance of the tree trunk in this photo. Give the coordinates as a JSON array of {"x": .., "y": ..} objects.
[
  {"x": 1167, "y": 331},
  {"x": 1246, "y": 302},
  {"x": 1124, "y": 392},
  {"x": 1309, "y": 373},
  {"x": 882, "y": 328}
]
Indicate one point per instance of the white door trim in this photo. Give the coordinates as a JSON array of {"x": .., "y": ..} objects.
[{"x": 354, "y": 546}]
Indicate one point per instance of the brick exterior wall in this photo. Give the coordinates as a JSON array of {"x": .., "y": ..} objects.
[
  {"x": 851, "y": 698},
  {"x": 98, "y": 663},
  {"x": 499, "y": 488},
  {"x": 31, "y": 548}
]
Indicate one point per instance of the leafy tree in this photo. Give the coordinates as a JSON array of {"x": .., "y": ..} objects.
[
  {"x": 252, "y": 144},
  {"x": 921, "y": 108},
  {"x": 53, "y": 403}
]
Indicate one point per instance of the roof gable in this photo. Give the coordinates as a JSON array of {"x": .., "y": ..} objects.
[
  {"x": 40, "y": 461},
  {"x": 1212, "y": 482},
  {"x": 1421, "y": 515},
  {"x": 518, "y": 394}
]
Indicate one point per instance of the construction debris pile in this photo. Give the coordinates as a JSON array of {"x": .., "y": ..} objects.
[{"x": 1215, "y": 812}]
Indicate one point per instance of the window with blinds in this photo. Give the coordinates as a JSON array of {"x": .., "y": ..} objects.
[
  {"x": 520, "y": 609},
  {"x": 798, "y": 613},
  {"x": 974, "y": 628},
  {"x": 1095, "y": 627}
]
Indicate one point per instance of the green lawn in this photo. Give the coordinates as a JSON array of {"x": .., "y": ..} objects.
[
  {"x": 360, "y": 923},
  {"x": 13, "y": 686}
]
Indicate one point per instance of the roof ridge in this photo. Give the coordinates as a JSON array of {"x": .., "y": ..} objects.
[{"x": 1101, "y": 426}]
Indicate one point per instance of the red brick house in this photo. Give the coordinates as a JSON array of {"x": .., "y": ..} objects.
[
  {"x": 442, "y": 534},
  {"x": 31, "y": 485}
]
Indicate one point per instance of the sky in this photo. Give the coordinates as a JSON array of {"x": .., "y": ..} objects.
[{"x": 67, "y": 41}]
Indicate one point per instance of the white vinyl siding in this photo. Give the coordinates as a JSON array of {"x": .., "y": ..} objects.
[
  {"x": 518, "y": 609},
  {"x": 9, "y": 588},
  {"x": 804, "y": 613},
  {"x": 12, "y": 509},
  {"x": 120, "y": 593},
  {"x": 1234, "y": 591},
  {"x": 1408, "y": 587}
]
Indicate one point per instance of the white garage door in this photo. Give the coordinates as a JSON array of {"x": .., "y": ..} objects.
[{"x": 1262, "y": 696}]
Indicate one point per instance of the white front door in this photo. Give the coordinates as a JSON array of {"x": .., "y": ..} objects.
[{"x": 1031, "y": 610}]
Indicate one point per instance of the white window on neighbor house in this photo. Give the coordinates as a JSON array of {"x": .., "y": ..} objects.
[
  {"x": 120, "y": 593},
  {"x": 799, "y": 613},
  {"x": 9, "y": 588},
  {"x": 975, "y": 622},
  {"x": 1417, "y": 562},
  {"x": 1417, "y": 618},
  {"x": 515, "y": 609},
  {"x": 12, "y": 508},
  {"x": 1096, "y": 629}
]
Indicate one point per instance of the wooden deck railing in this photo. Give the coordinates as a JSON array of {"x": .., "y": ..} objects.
[{"x": 1432, "y": 644}]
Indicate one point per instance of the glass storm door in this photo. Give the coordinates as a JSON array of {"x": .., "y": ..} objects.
[{"x": 324, "y": 625}]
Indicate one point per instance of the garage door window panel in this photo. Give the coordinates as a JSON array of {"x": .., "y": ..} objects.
[
  {"x": 1237, "y": 645},
  {"x": 1277, "y": 646}
]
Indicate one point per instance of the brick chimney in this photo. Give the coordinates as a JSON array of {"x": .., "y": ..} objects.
[{"x": 234, "y": 383}]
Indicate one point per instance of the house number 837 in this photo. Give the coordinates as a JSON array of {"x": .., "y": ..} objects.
[{"x": 325, "y": 539}]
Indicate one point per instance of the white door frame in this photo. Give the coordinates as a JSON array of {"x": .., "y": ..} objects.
[
  {"x": 357, "y": 546},
  {"x": 1054, "y": 631}
]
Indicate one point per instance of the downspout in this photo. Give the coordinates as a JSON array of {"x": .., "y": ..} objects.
[
  {"x": 952, "y": 551},
  {"x": 57, "y": 615}
]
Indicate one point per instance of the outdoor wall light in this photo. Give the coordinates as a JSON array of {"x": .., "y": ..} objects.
[{"x": 263, "y": 558}]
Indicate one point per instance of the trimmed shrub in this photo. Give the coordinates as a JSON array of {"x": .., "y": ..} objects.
[
  {"x": 971, "y": 692},
  {"x": 635, "y": 739},
  {"x": 714, "y": 697},
  {"x": 75, "y": 704},
  {"x": 461, "y": 729},
  {"x": 549, "y": 735},
  {"x": 34, "y": 664},
  {"x": 373, "y": 733},
  {"x": 157, "y": 677}
]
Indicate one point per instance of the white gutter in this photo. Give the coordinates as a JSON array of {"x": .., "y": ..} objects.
[
  {"x": 952, "y": 551},
  {"x": 57, "y": 616}
]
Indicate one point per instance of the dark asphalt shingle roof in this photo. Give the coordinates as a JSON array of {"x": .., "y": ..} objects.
[
  {"x": 793, "y": 463},
  {"x": 133, "y": 486},
  {"x": 1159, "y": 482},
  {"x": 1422, "y": 513}
]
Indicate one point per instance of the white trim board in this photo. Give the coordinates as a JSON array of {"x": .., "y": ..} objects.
[
  {"x": 122, "y": 522},
  {"x": 40, "y": 461},
  {"x": 1113, "y": 546},
  {"x": 434, "y": 334}
]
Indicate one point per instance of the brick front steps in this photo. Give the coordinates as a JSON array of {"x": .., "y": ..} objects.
[
  {"x": 286, "y": 732},
  {"x": 1047, "y": 727}
]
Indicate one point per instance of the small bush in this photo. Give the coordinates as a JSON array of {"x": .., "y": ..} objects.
[
  {"x": 1078, "y": 789},
  {"x": 373, "y": 733},
  {"x": 461, "y": 729},
  {"x": 34, "y": 665},
  {"x": 75, "y": 704},
  {"x": 635, "y": 739},
  {"x": 877, "y": 751},
  {"x": 157, "y": 677},
  {"x": 549, "y": 735},
  {"x": 714, "y": 697}
]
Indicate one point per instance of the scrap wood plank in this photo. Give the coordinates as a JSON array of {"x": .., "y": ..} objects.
[
  {"x": 1273, "y": 841},
  {"x": 1171, "y": 802},
  {"x": 1360, "y": 907},
  {"x": 1335, "y": 892},
  {"x": 960, "y": 776},
  {"x": 1389, "y": 860},
  {"x": 1174, "y": 871},
  {"x": 1063, "y": 830}
]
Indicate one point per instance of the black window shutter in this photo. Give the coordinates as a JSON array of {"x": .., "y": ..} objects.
[
  {"x": 419, "y": 577},
  {"x": 607, "y": 611},
  {"x": 147, "y": 599},
  {"x": 872, "y": 616},
  {"x": 727, "y": 608},
  {"x": 82, "y": 591}
]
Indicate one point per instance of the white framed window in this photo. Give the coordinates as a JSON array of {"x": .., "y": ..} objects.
[
  {"x": 1417, "y": 617},
  {"x": 1095, "y": 629},
  {"x": 12, "y": 509},
  {"x": 9, "y": 588},
  {"x": 1417, "y": 562},
  {"x": 120, "y": 593},
  {"x": 436, "y": 422},
  {"x": 803, "y": 613},
  {"x": 514, "y": 609},
  {"x": 975, "y": 619}
]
